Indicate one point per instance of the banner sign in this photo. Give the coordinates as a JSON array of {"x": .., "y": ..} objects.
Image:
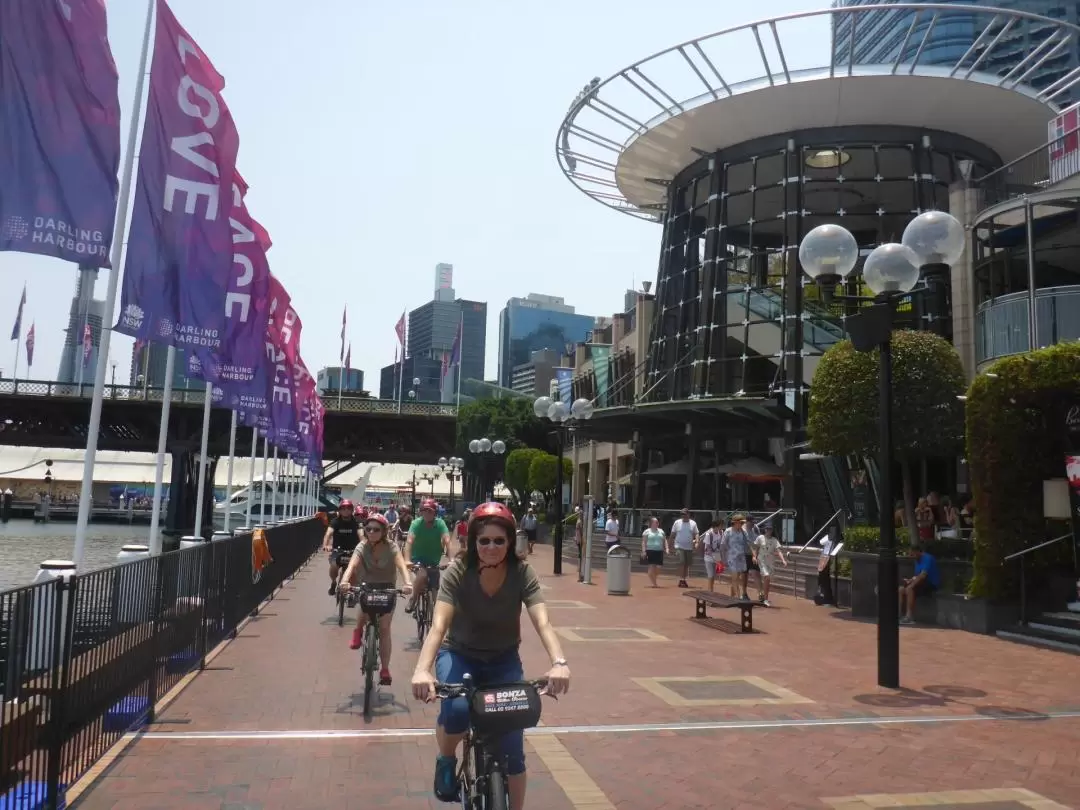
[
  {"x": 60, "y": 124},
  {"x": 564, "y": 378},
  {"x": 1072, "y": 471},
  {"x": 180, "y": 260},
  {"x": 601, "y": 356}
]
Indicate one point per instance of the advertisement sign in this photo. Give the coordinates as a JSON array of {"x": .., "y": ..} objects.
[
  {"x": 1072, "y": 469},
  {"x": 1063, "y": 132}
]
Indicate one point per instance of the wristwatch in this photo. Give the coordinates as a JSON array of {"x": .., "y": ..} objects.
[{"x": 559, "y": 662}]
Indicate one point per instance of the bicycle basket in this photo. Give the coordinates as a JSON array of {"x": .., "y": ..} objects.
[
  {"x": 377, "y": 602},
  {"x": 508, "y": 707}
]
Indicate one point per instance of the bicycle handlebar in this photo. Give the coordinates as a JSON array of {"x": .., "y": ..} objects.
[
  {"x": 364, "y": 587},
  {"x": 417, "y": 566},
  {"x": 448, "y": 691}
]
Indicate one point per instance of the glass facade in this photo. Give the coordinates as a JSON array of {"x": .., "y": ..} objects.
[
  {"x": 432, "y": 329},
  {"x": 884, "y": 34},
  {"x": 734, "y": 313},
  {"x": 527, "y": 329}
]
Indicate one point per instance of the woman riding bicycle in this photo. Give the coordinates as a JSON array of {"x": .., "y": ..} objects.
[
  {"x": 478, "y": 613},
  {"x": 378, "y": 561}
]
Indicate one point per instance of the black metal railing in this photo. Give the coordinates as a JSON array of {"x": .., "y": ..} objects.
[
  {"x": 1036, "y": 171},
  {"x": 1022, "y": 556},
  {"x": 85, "y": 658}
]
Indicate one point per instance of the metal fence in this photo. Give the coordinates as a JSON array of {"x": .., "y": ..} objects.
[
  {"x": 138, "y": 393},
  {"x": 84, "y": 658},
  {"x": 1036, "y": 171}
]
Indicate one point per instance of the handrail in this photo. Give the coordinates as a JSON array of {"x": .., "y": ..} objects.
[
  {"x": 1022, "y": 552},
  {"x": 1002, "y": 170},
  {"x": 824, "y": 527}
]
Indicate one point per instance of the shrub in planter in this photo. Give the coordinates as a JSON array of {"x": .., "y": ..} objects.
[{"x": 1015, "y": 428}]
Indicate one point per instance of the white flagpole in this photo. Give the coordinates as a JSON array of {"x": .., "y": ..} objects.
[
  {"x": 262, "y": 496},
  {"x": 273, "y": 492},
  {"x": 401, "y": 370},
  {"x": 251, "y": 474},
  {"x": 93, "y": 428},
  {"x": 460, "y": 354},
  {"x": 228, "y": 479},
  {"x": 286, "y": 474},
  {"x": 159, "y": 464},
  {"x": 340, "y": 385},
  {"x": 18, "y": 343},
  {"x": 200, "y": 497}
]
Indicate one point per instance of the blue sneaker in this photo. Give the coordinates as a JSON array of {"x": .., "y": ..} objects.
[{"x": 446, "y": 782}]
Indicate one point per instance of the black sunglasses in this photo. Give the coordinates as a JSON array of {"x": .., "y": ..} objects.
[
  {"x": 374, "y": 527},
  {"x": 491, "y": 541}
]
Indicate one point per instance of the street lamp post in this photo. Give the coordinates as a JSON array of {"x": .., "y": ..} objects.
[
  {"x": 828, "y": 254},
  {"x": 482, "y": 447},
  {"x": 413, "y": 481},
  {"x": 562, "y": 417},
  {"x": 451, "y": 468},
  {"x": 429, "y": 478}
]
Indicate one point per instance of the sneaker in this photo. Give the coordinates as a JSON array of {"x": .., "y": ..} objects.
[
  {"x": 906, "y": 620},
  {"x": 761, "y": 598},
  {"x": 446, "y": 782},
  {"x": 682, "y": 583},
  {"x": 746, "y": 597},
  {"x": 384, "y": 677},
  {"x": 410, "y": 607},
  {"x": 357, "y": 639},
  {"x": 766, "y": 603},
  {"x": 333, "y": 589}
]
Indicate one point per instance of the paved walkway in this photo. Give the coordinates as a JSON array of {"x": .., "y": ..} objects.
[{"x": 663, "y": 713}]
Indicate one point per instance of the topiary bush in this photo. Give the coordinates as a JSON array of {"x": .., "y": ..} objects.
[{"x": 1015, "y": 432}]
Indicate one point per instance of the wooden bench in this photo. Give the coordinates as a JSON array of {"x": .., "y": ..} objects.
[{"x": 706, "y": 599}]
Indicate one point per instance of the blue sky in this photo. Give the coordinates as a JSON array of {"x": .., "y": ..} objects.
[{"x": 381, "y": 138}]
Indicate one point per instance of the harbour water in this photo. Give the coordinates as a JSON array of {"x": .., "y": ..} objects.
[{"x": 25, "y": 544}]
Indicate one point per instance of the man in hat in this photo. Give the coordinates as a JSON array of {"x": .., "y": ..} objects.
[{"x": 684, "y": 536}]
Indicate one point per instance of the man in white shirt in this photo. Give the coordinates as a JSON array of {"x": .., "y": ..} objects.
[
  {"x": 611, "y": 530},
  {"x": 684, "y": 534}
]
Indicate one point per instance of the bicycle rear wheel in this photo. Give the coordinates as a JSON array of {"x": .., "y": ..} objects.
[
  {"x": 340, "y": 606},
  {"x": 420, "y": 612},
  {"x": 371, "y": 663}
]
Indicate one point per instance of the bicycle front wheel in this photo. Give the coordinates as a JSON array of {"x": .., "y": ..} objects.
[
  {"x": 498, "y": 797},
  {"x": 421, "y": 610},
  {"x": 371, "y": 663},
  {"x": 340, "y": 608}
]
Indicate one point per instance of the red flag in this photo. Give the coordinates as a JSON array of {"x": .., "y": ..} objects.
[
  {"x": 87, "y": 343},
  {"x": 400, "y": 330},
  {"x": 30, "y": 346}
]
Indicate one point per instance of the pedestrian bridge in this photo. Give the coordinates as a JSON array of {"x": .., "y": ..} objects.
[{"x": 40, "y": 413}]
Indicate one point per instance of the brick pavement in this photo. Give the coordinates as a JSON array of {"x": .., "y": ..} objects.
[{"x": 290, "y": 669}]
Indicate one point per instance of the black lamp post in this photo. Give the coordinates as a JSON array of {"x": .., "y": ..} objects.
[
  {"x": 562, "y": 417},
  {"x": 828, "y": 254},
  {"x": 451, "y": 468},
  {"x": 483, "y": 447}
]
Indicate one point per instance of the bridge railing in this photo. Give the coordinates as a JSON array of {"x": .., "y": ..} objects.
[
  {"x": 137, "y": 393},
  {"x": 85, "y": 658}
]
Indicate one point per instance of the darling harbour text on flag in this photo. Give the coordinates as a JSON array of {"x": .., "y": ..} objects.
[
  {"x": 59, "y": 130},
  {"x": 180, "y": 259}
]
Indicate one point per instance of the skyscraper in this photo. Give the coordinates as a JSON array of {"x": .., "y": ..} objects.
[
  {"x": 535, "y": 323},
  {"x": 881, "y": 36},
  {"x": 75, "y": 366}
]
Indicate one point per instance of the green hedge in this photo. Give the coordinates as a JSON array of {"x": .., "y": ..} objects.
[{"x": 1014, "y": 442}]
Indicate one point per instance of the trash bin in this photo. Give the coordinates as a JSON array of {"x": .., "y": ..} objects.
[
  {"x": 522, "y": 547},
  {"x": 618, "y": 570}
]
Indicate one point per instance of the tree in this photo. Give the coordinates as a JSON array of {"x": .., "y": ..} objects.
[
  {"x": 511, "y": 420},
  {"x": 542, "y": 472},
  {"x": 928, "y": 416},
  {"x": 516, "y": 472}
]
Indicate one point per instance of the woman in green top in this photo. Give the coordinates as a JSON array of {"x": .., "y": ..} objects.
[
  {"x": 476, "y": 629},
  {"x": 653, "y": 544}
]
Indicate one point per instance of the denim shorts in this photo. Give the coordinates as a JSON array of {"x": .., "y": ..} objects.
[{"x": 451, "y": 667}]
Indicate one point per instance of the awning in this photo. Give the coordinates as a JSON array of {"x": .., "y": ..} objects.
[
  {"x": 752, "y": 466},
  {"x": 681, "y": 467}
]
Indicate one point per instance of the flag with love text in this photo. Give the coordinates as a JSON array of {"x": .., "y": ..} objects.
[{"x": 179, "y": 286}]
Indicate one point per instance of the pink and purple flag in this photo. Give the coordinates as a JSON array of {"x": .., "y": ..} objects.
[
  {"x": 181, "y": 265},
  {"x": 87, "y": 343},
  {"x": 60, "y": 122},
  {"x": 29, "y": 346}
]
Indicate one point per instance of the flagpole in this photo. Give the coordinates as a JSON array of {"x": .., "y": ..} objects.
[
  {"x": 228, "y": 478},
  {"x": 200, "y": 497},
  {"x": 251, "y": 475},
  {"x": 401, "y": 368},
  {"x": 262, "y": 496},
  {"x": 273, "y": 492},
  {"x": 93, "y": 428},
  {"x": 159, "y": 463},
  {"x": 340, "y": 385},
  {"x": 460, "y": 354},
  {"x": 18, "y": 345}
]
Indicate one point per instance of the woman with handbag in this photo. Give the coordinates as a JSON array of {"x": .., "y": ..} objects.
[{"x": 653, "y": 545}]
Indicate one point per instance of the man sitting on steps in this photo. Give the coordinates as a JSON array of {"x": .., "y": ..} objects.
[{"x": 926, "y": 581}]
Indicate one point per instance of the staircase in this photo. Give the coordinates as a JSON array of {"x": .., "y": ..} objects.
[
  {"x": 787, "y": 580},
  {"x": 1057, "y": 631}
]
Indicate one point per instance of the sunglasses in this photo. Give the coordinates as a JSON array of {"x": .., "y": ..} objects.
[
  {"x": 374, "y": 527},
  {"x": 491, "y": 541}
]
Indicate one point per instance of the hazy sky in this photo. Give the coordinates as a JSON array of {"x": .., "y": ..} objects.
[{"x": 380, "y": 138}]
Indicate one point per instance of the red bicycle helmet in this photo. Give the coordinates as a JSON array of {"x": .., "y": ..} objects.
[
  {"x": 346, "y": 504},
  {"x": 381, "y": 519},
  {"x": 429, "y": 503},
  {"x": 496, "y": 510}
]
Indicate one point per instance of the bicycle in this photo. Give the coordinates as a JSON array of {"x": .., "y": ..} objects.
[
  {"x": 342, "y": 561},
  {"x": 494, "y": 710},
  {"x": 376, "y": 601},
  {"x": 424, "y": 608}
]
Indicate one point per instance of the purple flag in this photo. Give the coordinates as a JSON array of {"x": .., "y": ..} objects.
[
  {"x": 59, "y": 130},
  {"x": 180, "y": 259}
]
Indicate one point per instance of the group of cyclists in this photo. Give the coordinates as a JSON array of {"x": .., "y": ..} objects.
[{"x": 475, "y": 626}]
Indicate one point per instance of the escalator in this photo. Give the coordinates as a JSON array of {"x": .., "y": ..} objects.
[{"x": 820, "y": 330}]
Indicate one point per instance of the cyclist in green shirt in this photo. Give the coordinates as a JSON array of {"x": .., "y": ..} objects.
[{"x": 428, "y": 541}]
